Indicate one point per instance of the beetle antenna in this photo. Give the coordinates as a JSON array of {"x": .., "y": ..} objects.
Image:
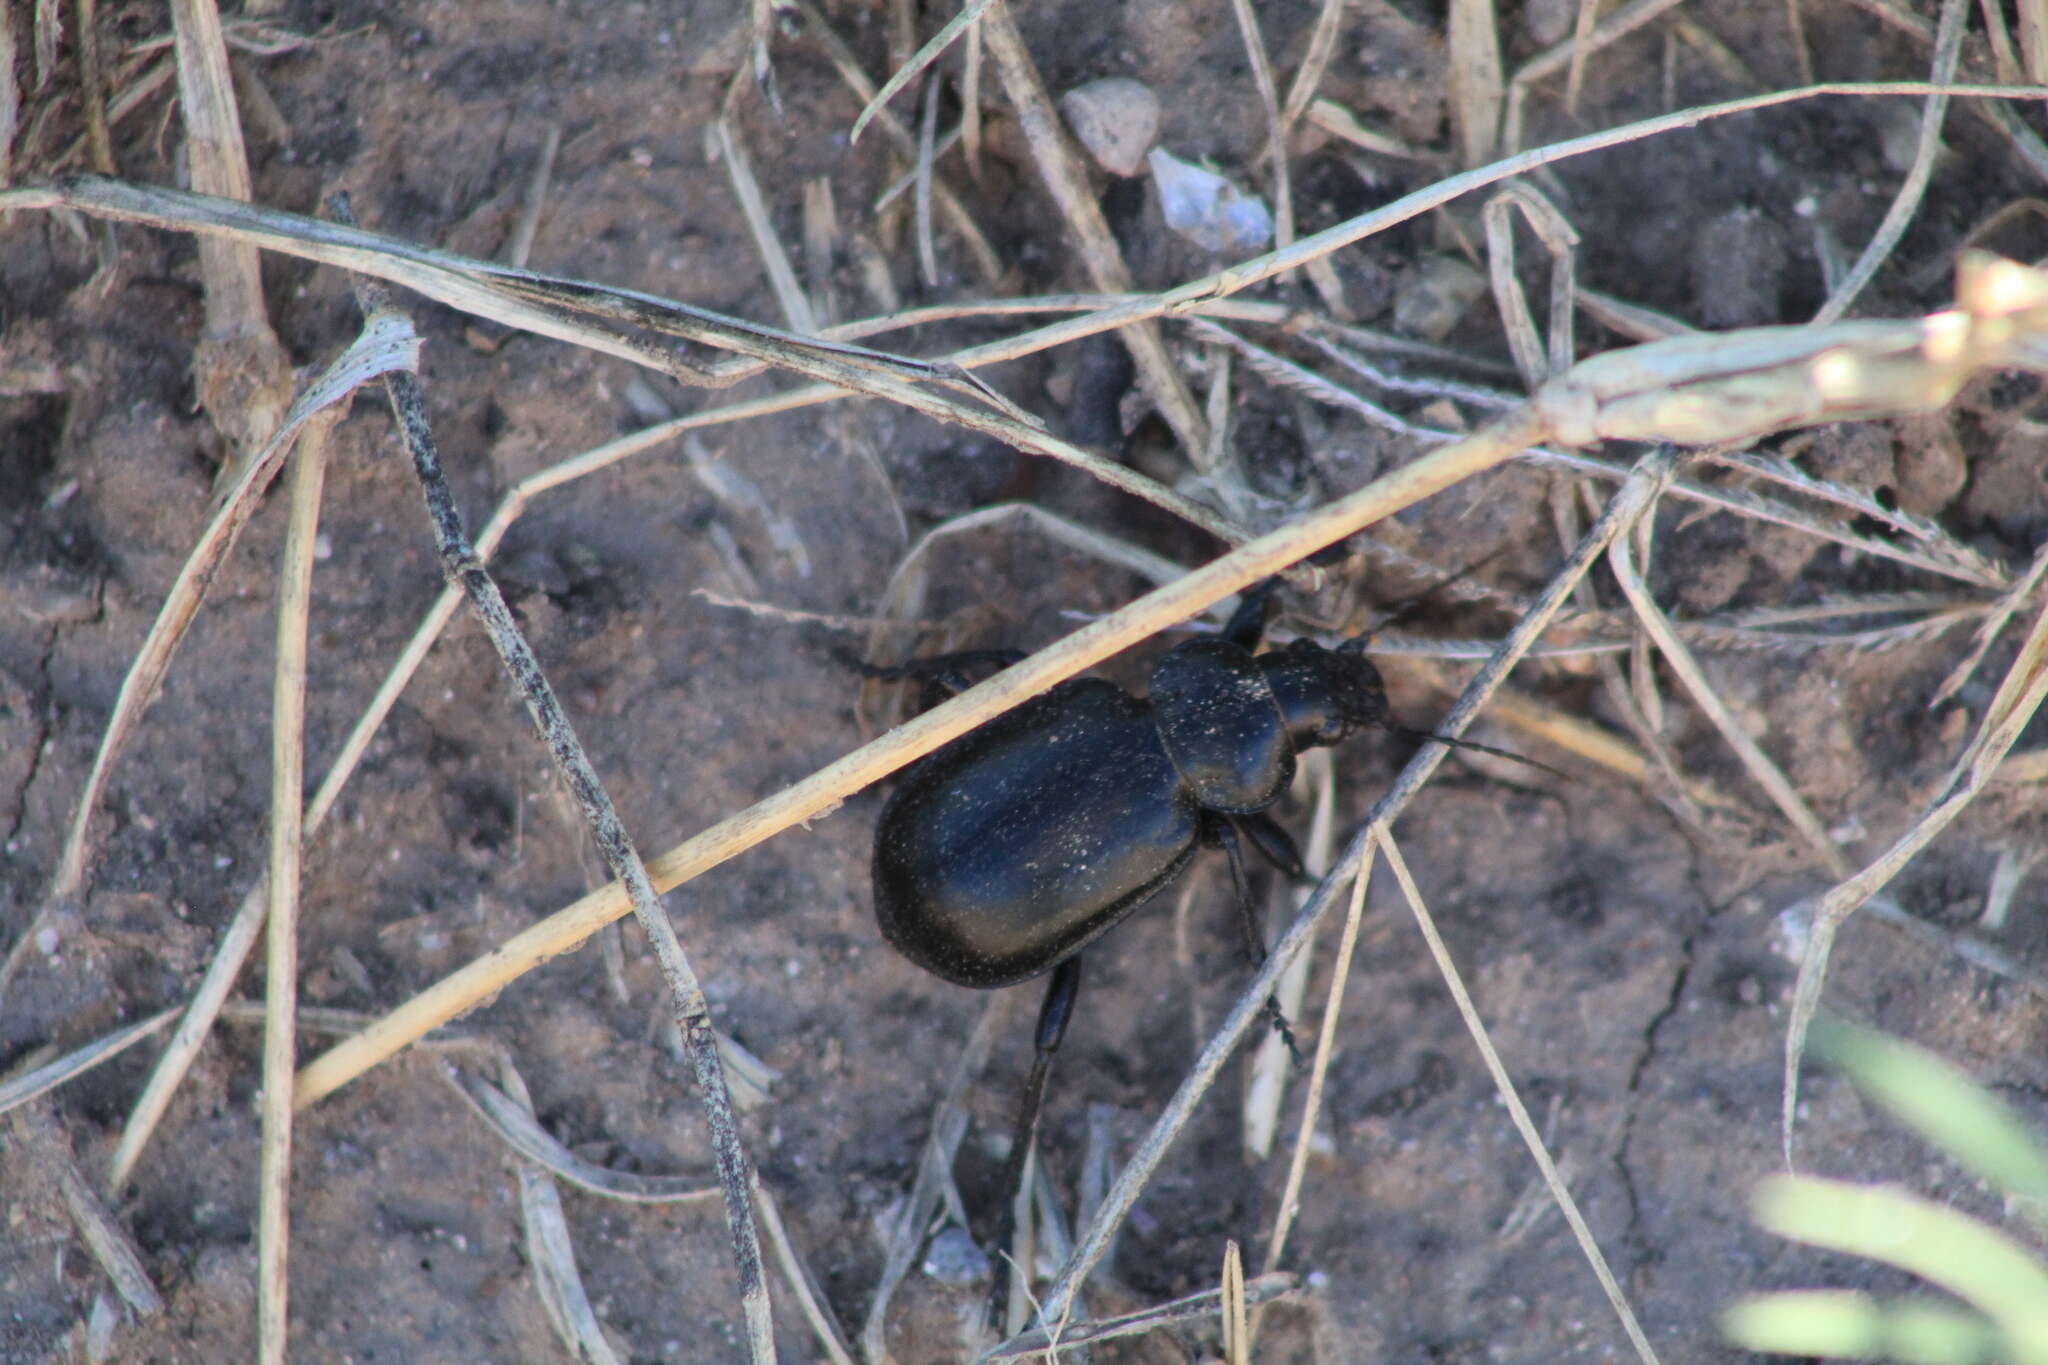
[{"x": 1419, "y": 735}]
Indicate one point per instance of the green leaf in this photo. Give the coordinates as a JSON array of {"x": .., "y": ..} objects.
[{"x": 1955, "y": 1113}]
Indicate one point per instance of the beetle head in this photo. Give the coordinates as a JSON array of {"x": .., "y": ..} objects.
[{"x": 1325, "y": 694}]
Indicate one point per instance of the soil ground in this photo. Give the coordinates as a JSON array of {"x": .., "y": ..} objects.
[{"x": 1629, "y": 963}]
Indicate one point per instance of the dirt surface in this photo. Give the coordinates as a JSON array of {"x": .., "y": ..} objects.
[{"x": 1630, "y": 962}]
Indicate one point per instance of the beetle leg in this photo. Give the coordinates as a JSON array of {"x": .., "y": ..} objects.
[
  {"x": 1223, "y": 830},
  {"x": 1053, "y": 1014},
  {"x": 1248, "y": 622},
  {"x": 1273, "y": 842},
  {"x": 943, "y": 675}
]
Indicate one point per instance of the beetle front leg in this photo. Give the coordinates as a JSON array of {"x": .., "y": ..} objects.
[
  {"x": 1273, "y": 842},
  {"x": 1223, "y": 830},
  {"x": 1248, "y": 623}
]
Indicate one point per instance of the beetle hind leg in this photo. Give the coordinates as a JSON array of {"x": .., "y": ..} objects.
[{"x": 1013, "y": 1281}]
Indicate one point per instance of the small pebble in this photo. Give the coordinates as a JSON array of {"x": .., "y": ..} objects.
[
  {"x": 1430, "y": 299},
  {"x": 1207, "y": 209},
  {"x": 953, "y": 1258},
  {"x": 1116, "y": 119}
]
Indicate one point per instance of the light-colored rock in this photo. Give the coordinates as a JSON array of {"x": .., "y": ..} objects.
[
  {"x": 1116, "y": 119},
  {"x": 1207, "y": 209}
]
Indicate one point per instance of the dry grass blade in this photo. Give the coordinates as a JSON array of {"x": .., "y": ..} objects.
[
  {"x": 281, "y": 961},
  {"x": 1994, "y": 623},
  {"x": 242, "y": 373},
  {"x": 1948, "y": 47},
  {"x": 1319, "y": 1070},
  {"x": 10, "y": 95},
  {"x": 1505, "y": 1088},
  {"x": 52, "y": 1165},
  {"x": 607, "y": 320},
  {"x": 924, "y": 57},
  {"x": 2034, "y": 39},
  {"x": 2014, "y": 705},
  {"x": 810, "y": 1297},
  {"x": 92, "y": 89},
  {"x": 1100, "y": 256},
  {"x": 796, "y": 308},
  {"x": 1473, "y": 56},
  {"x": 986, "y": 263},
  {"x": 1236, "y": 1331},
  {"x": 1269, "y": 104},
  {"x": 1260, "y": 1290},
  {"x": 18, "y": 1090},
  {"x": 1335, "y": 119},
  {"x": 690, "y": 1010},
  {"x": 934, "y": 1173},
  {"x": 556, "y": 1277},
  {"x": 1758, "y": 764},
  {"x": 1272, "y": 1066},
  {"x": 386, "y": 341},
  {"x": 1573, "y": 51},
  {"x": 921, "y": 203},
  {"x": 519, "y": 243},
  {"x": 516, "y": 1126},
  {"x": 1968, "y": 562},
  {"x": 1937, "y": 551},
  {"x": 1322, "y": 45},
  {"x": 1535, "y": 361},
  {"x": 384, "y": 344}
]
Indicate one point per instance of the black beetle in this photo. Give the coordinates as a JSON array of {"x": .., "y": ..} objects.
[
  {"x": 1009, "y": 850},
  {"x": 1003, "y": 854}
]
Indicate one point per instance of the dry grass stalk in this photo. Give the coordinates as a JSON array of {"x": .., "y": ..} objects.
[
  {"x": 688, "y": 1008},
  {"x": 92, "y": 90},
  {"x": 10, "y": 94},
  {"x": 1563, "y": 56},
  {"x": 796, "y": 309},
  {"x": 557, "y": 1279},
  {"x": 243, "y": 374},
  {"x": 19, "y": 1089},
  {"x": 903, "y": 75},
  {"x": 281, "y": 963},
  {"x": 1100, "y": 257},
  {"x": 1657, "y": 626},
  {"x": 1319, "y": 1069},
  {"x": 50, "y": 1159},
  {"x": 2018, "y": 697},
  {"x": 384, "y": 343},
  {"x": 1948, "y": 47},
  {"x": 1473, "y": 56},
  {"x": 1322, "y": 45},
  {"x": 957, "y": 215},
  {"x": 1505, "y": 1088},
  {"x": 611, "y": 321}
]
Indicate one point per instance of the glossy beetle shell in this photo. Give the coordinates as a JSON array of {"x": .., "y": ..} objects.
[{"x": 1010, "y": 849}]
